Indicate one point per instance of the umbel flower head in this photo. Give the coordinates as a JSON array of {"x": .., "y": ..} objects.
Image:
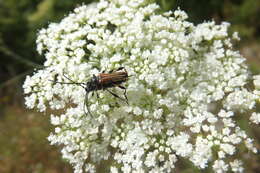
[{"x": 186, "y": 87}]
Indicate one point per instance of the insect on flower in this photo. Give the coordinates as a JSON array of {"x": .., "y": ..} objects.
[{"x": 103, "y": 81}]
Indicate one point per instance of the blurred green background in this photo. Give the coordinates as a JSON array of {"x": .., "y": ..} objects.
[{"x": 23, "y": 144}]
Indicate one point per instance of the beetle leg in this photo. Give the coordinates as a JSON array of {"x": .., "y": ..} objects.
[
  {"x": 120, "y": 68},
  {"x": 115, "y": 95},
  {"x": 122, "y": 87},
  {"x": 97, "y": 94}
]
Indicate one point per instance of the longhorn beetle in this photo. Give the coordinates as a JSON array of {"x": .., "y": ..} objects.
[{"x": 103, "y": 81}]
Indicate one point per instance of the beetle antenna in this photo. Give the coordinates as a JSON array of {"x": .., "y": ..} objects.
[
  {"x": 73, "y": 82},
  {"x": 86, "y": 104}
]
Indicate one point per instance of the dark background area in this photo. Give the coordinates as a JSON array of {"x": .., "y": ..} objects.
[{"x": 23, "y": 144}]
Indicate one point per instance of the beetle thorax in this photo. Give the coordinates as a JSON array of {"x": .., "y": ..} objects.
[{"x": 92, "y": 84}]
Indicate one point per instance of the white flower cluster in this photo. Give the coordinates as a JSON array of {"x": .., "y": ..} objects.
[{"x": 186, "y": 87}]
